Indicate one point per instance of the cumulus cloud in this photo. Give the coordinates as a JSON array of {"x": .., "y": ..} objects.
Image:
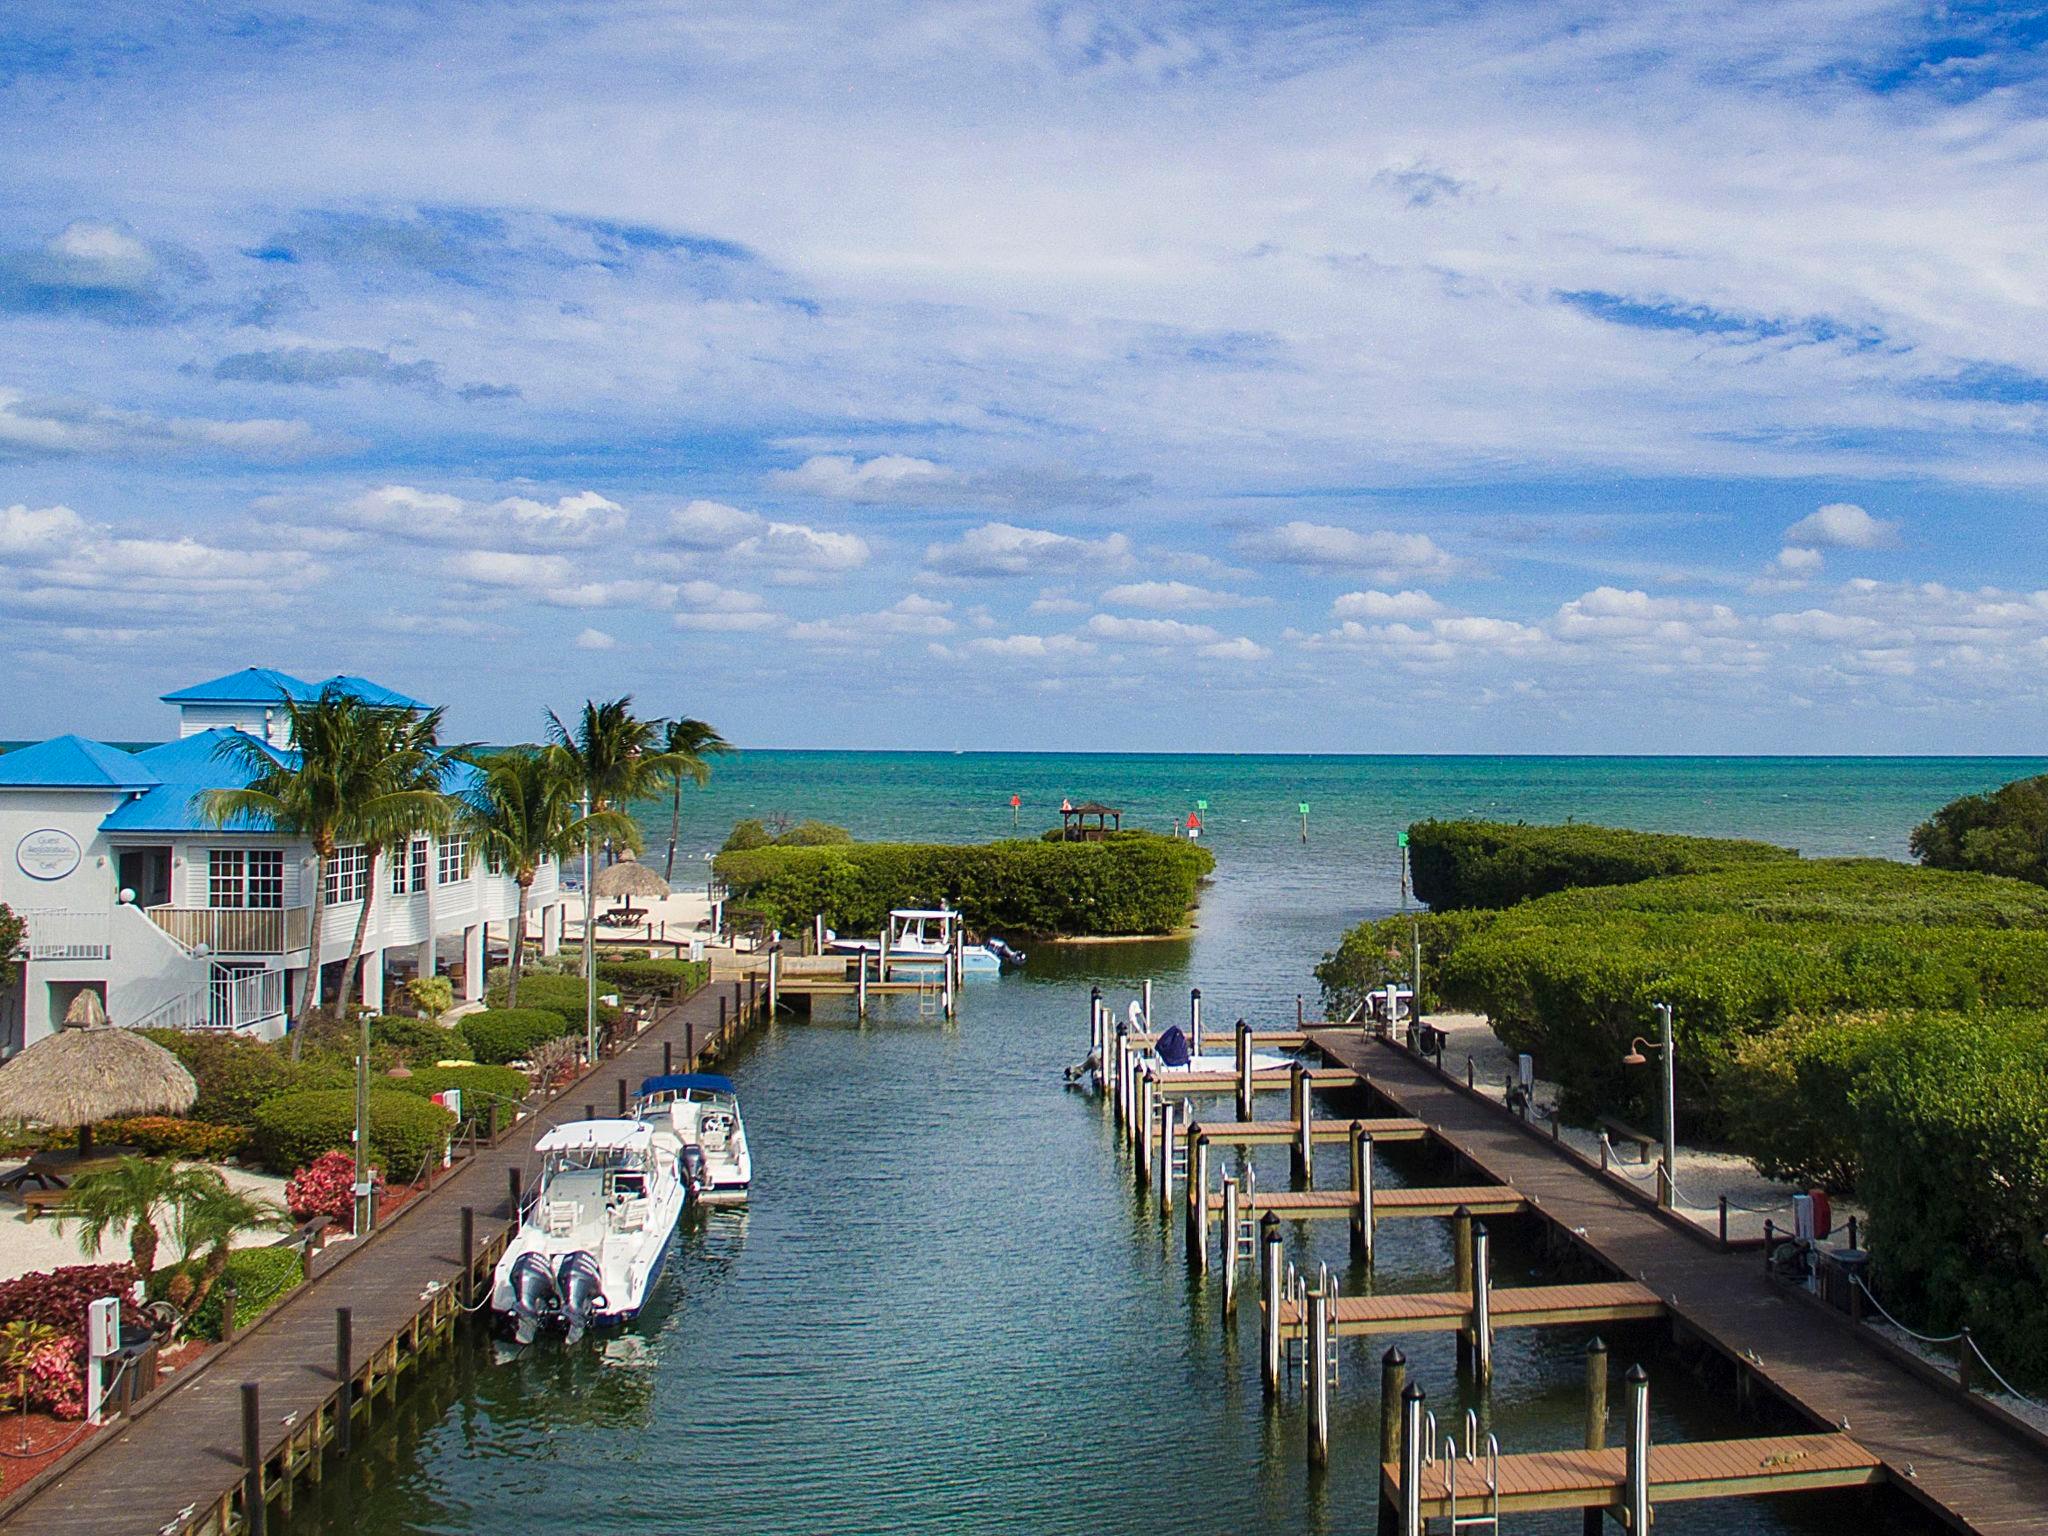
[
  {"x": 1172, "y": 632},
  {"x": 798, "y": 555},
  {"x": 914, "y": 615},
  {"x": 707, "y": 606},
  {"x": 595, "y": 640},
  {"x": 1843, "y": 525},
  {"x": 410, "y": 514},
  {"x": 1800, "y": 559},
  {"x": 90, "y": 268},
  {"x": 510, "y": 568},
  {"x": 26, "y": 530},
  {"x": 1004, "y": 549},
  {"x": 1378, "y": 607},
  {"x": 1243, "y": 648},
  {"x": 1381, "y": 555},
  {"x": 326, "y": 367},
  {"x": 712, "y": 525},
  {"x": 1613, "y": 613},
  {"x": 1178, "y": 596},
  {"x": 1025, "y": 648},
  {"x": 898, "y": 479}
]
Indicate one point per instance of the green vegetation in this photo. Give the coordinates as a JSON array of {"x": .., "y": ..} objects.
[
  {"x": 668, "y": 978},
  {"x": 1134, "y": 884},
  {"x": 261, "y": 1276},
  {"x": 691, "y": 744},
  {"x": 2002, "y": 833},
  {"x": 750, "y": 834},
  {"x": 417, "y": 1040},
  {"x": 13, "y": 931},
  {"x": 405, "y": 1129},
  {"x": 1482, "y": 864},
  {"x": 547, "y": 992},
  {"x": 499, "y": 1035},
  {"x": 482, "y": 1086}
]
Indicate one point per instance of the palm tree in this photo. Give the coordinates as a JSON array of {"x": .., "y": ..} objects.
[
  {"x": 208, "y": 1219},
  {"x": 690, "y": 742},
  {"x": 337, "y": 786},
  {"x": 613, "y": 757},
  {"x": 526, "y": 811},
  {"x": 133, "y": 1194}
]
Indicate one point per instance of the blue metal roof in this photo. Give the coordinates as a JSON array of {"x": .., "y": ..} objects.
[
  {"x": 73, "y": 762},
  {"x": 369, "y": 692},
  {"x": 251, "y": 685},
  {"x": 182, "y": 769},
  {"x": 679, "y": 1082}
]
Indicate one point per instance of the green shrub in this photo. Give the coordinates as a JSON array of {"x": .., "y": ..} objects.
[
  {"x": 2002, "y": 833},
  {"x": 405, "y": 1130},
  {"x": 171, "y": 1136},
  {"x": 668, "y": 978},
  {"x": 499, "y": 1035},
  {"x": 261, "y": 1278},
  {"x": 552, "y": 992},
  {"x": 1466, "y": 864},
  {"x": 814, "y": 834},
  {"x": 747, "y": 834},
  {"x": 431, "y": 995},
  {"x": 1134, "y": 884},
  {"x": 481, "y": 1086},
  {"x": 418, "y": 1039}
]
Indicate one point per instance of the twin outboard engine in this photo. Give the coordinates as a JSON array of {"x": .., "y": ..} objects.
[
  {"x": 582, "y": 1291},
  {"x": 535, "y": 1298}
]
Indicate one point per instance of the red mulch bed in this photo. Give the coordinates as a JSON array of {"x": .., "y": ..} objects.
[{"x": 46, "y": 1438}]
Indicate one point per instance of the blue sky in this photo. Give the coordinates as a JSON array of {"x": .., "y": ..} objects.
[{"x": 1443, "y": 377}]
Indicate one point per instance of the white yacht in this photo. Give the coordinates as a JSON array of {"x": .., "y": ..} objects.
[
  {"x": 594, "y": 1232},
  {"x": 695, "y": 1116},
  {"x": 920, "y": 936}
]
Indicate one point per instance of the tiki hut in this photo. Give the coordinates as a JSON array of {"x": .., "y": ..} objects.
[
  {"x": 90, "y": 1070},
  {"x": 626, "y": 879}
]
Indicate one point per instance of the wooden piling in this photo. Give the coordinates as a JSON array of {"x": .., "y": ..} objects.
[
  {"x": 1169, "y": 1117},
  {"x": 1393, "y": 1381},
  {"x": 1304, "y": 1146},
  {"x": 1271, "y": 1277},
  {"x": 512, "y": 1191},
  {"x": 668, "y": 1057},
  {"x": 1230, "y": 1220},
  {"x": 1411, "y": 1459},
  {"x": 255, "y": 1507},
  {"x": 1194, "y": 1020},
  {"x": 1145, "y": 1000},
  {"x": 1595, "y": 1520},
  {"x": 860, "y": 984},
  {"x": 1362, "y": 1187},
  {"x": 622, "y": 1098},
  {"x": 1148, "y": 1118},
  {"x": 467, "y": 1286},
  {"x": 1461, "y": 1276},
  {"x": 1198, "y": 1204}
]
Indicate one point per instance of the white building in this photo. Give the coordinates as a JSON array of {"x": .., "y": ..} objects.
[{"x": 127, "y": 892}]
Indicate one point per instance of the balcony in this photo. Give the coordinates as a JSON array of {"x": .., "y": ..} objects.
[
  {"x": 236, "y": 930},
  {"x": 60, "y": 935}
]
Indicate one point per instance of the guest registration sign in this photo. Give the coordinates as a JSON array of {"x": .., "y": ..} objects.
[{"x": 49, "y": 853}]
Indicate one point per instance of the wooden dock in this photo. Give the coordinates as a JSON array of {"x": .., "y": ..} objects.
[
  {"x": 176, "y": 1464},
  {"x": 1286, "y": 1133},
  {"x": 1387, "y": 1204},
  {"x": 1701, "y": 1469},
  {"x": 1527, "y": 1306},
  {"x": 1265, "y": 1080},
  {"x": 1962, "y": 1466}
]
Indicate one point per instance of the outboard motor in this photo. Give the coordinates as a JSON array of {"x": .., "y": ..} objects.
[
  {"x": 534, "y": 1297},
  {"x": 696, "y": 1177},
  {"x": 582, "y": 1287}
]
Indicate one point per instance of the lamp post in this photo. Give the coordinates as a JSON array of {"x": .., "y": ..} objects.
[
  {"x": 589, "y": 944},
  {"x": 1667, "y": 1186}
]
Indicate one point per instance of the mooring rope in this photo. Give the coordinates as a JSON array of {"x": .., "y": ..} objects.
[
  {"x": 1924, "y": 1338},
  {"x": 1995, "y": 1376}
]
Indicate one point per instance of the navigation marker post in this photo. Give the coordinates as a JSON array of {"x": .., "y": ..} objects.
[
  {"x": 1016, "y": 801},
  {"x": 1304, "y": 820}
]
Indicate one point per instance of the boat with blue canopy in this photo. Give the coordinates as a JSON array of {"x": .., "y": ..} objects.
[{"x": 696, "y": 1115}]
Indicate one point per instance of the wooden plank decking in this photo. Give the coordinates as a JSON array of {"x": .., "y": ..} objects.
[
  {"x": 1701, "y": 1469},
  {"x": 1265, "y": 1080},
  {"x": 1284, "y": 1133},
  {"x": 1387, "y": 1204},
  {"x": 1956, "y": 1463},
  {"x": 1522, "y": 1306},
  {"x": 169, "y": 1468}
]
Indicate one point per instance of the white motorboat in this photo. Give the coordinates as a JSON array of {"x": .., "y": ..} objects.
[
  {"x": 696, "y": 1117},
  {"x": 921, "y": 936},
  {"x": 594, "y": 1232}
]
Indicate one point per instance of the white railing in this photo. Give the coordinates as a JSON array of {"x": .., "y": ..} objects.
[
  {"x": 62, "y": 935},
  {"x": 236, "y": 930},
  {"x": 236, "y": 1004}
]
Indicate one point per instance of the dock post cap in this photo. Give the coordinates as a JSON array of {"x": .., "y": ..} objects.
[
  {"x": 1462, "y": 1213},
  {"x": 1393, "y": 1356},
  {"x": 1095, "y": 991},
  {"x": 1270, "y": 1222},
  {"x": 1413, "y": 1393},
  {"x": 1478, "y": 1230},
  {"x": 1194, "y": 991},
  {"x": 1635, "y": 1374},
  {"x": 1598, "y": 1346}
]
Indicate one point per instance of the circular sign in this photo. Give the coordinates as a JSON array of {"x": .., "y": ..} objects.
[{"x": 48, "y": 854}]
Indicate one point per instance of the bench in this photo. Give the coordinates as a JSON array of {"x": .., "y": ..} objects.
[
  {"x": 1618, "y": 1130},
  {"x": 36, "y": 1201}
]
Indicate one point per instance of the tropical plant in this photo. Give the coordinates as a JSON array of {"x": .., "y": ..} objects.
[
  {"x": 209, "y": 1216},
  {"x": 131, "y": 1196},
  {"x": 37, "y": 1356},
  {"x": 527, "y": 811},
  {"x": 339, "y": 785},
  {"x": 2002, "y": 833},
  {"x": 432, "y": 996},
  {"x": 13, "y": 929},
  {"x": 691, "y": 743},
  {"x": 326, "y": 1187}
]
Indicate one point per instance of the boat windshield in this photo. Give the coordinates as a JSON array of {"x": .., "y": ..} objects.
[{"x": 572, "y": 1160}]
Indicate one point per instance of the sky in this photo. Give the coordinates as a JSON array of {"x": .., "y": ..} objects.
[{"x": 1455, "y": 377}]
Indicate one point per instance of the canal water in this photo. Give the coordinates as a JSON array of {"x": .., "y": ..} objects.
[{"x": 947, "y": 1310}]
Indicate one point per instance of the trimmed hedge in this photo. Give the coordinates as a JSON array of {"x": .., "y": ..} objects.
[
  {"x": 170, "y": 1136},
  {"x": 405, "y": 1130},
  {"x": 1134, "y": 884},
  {"x": 417, "y": 1039},
  {"x": 552, "y": 991},
  {"x": 1459, "y": 865},
  {"x": 261, "y": 1278},
  {"x": 499, "y": 1035},
  {"x": 669, "y": 978}
]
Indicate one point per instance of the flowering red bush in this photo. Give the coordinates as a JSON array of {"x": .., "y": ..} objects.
[
  {"x": 327, "y": 1187},
  {"x": 60, "y": 1299}
]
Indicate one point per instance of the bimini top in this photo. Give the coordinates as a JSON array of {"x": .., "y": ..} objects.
[
  {"x": 597, "y": 1135},
  {"x": 926, "y": 912},
  {"x": 683, "y": 1082}
]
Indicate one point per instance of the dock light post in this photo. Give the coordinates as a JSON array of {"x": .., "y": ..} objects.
[
  {"x": 1667, "y": 1186},
  {"x": 589, "y": 947}
]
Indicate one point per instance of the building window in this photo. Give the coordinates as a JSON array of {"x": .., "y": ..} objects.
[
  {"x": 348, "y": 874},
  {"x": 409, "y": 868},
  {"x": 454, "y": 860},
  {"x": 494, "y": 861},
  {"x": 245, "y": 877}
]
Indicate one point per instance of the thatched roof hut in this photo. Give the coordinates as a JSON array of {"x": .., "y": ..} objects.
[
  {"x": 626, "y": 879},
  {"x": 93, "y": 1071}
]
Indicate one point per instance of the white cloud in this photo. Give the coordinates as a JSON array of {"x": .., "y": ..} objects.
[
  {"x": 712, "y": 525},
  {"x": 408, "y": 514},
  {"x": 799, "y": 555},
  {"x": 28, "y": 530},
  {"x": 1801, "y": 559},
  {"x": 1004, "y": 549},
  {"x": 1381, "y": 606},
  {"x": 710, "y": 607},
  {"x": 1843, "y": 525},
  {"x": 1820, "y": 624},
  {"x": 1382, "y": 555},
  {"x": 914, "y": 615},
  {"x": 1611, "y": 613},
  {"x": 1243, "y": 648},
  {"x": 1016, "y": 648},
  {"x": 1177, "y": 596},
  {"x": 35, "y": 427},
  {"x": 1172, "y": 632},
  {"x": 595, "y": 640},
  {"x": 900, "y": 479},
  {"x": 510, "y": 568},
  {"x": 885, "y": 478}
]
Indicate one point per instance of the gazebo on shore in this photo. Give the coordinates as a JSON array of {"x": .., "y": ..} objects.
[{"x": 1074, "y": 827}]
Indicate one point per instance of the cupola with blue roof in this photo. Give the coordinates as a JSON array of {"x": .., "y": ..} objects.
[{"x": 252, "y": 700}]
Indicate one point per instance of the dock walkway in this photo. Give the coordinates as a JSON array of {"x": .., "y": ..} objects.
[
  {"x": 1521, "y": 1306},
  {"x": 1958, "y": 1464},
  {"x": 171, "y": 1468}
]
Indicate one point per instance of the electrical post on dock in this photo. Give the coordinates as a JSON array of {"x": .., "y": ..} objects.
[
  {"x": 1361, "y": 1184},
  {"x": 1482, "y": 1305},
  {"x": 1272, "y": 1276},
  {"x": 1194, "y": 1021},
  {"x": 1636, "y": 1473}
]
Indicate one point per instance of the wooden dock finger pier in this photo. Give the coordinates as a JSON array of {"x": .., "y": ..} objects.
[{"x": 226, "y": 1443}]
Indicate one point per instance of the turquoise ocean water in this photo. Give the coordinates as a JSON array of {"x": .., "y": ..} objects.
[{"x": 946, "y": 1309}]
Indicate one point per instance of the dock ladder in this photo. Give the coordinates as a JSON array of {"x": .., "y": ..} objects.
[
  {"x": 1487, "y": 1518},
  {"x": 1244, "y": 1242},
  {"x": 931, "y": 1001},
  {"x": 1297, "y": 1289}
]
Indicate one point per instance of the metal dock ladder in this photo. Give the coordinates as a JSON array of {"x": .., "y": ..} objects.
[
  {"x": 930, "y": 1000},
  {"x": 1297, "y": 1291},
  {"x": 1487, "y": 1518}
]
